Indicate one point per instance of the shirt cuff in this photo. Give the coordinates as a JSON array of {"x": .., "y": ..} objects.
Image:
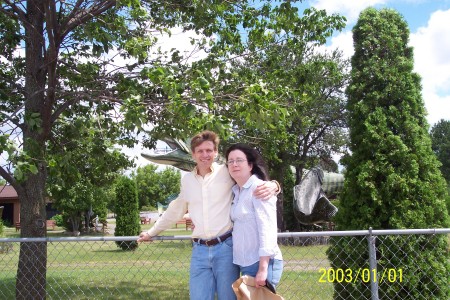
[
  {"x": 278, "y": 187},
  {"x": 266, "y": 252}
]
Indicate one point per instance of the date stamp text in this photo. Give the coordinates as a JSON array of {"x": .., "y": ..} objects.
[{"x": 365, "y": 275}]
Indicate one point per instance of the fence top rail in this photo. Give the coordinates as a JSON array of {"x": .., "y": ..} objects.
[
  {"x": 366, "y": 232},
  {"x": 92, "y": 238},
  {"x": 281, "y": 234}
]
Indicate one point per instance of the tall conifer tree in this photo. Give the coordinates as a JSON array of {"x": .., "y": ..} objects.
[
  {"x": 392, "y": 179},
  {"x": 127, "y": 220}
]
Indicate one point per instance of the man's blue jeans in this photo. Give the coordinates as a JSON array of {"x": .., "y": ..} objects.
[
  {"x": 212, "y": 271},
  {"x": 274, "y": 271}
]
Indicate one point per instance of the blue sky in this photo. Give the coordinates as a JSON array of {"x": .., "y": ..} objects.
[{"x": 429, "y": 23}]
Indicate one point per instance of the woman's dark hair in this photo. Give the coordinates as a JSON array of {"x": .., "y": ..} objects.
[{"x": 253, "y": 157}]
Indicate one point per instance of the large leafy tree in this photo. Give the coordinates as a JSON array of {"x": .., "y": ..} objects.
[
  {"x": 84, "y": 162},
  {"x": 225, "y": 94},
  {"x": 392, "y": 179},
  {"x": 313, "y": 100}
]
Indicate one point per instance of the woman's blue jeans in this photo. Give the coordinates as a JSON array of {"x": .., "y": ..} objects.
[
  {"x": 212, "y": 271},
  {"x": 274, "y": 271}
]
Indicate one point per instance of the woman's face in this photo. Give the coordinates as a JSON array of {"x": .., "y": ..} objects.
[{"x": 238, "y": 166}]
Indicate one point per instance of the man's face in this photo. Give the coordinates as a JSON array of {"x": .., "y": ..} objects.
[{"x": 204, "y": 154}]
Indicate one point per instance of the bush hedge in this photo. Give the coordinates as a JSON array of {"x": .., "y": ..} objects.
[{"x": 127, "y": 212}]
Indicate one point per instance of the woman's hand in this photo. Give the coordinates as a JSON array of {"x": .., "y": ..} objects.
[
  {"x": 261, "y": 275},
  {"x": 260, "y": 279}
]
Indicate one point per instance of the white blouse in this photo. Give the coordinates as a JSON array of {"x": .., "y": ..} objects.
[{"x": 255, "y": 225}]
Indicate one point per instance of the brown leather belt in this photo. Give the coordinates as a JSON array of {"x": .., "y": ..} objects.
[{"x": 213, "y": 242}]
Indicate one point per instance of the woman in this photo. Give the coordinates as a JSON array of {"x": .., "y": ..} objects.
[{"x": 255, "y": 248}]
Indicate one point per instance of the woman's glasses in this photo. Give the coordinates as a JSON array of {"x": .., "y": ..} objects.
[{"x": 238, "y": 162}]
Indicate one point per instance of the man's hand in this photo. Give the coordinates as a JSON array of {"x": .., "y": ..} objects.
[
  {"x": 144, "y": 236},
  {"x": 266, "y": 190}
]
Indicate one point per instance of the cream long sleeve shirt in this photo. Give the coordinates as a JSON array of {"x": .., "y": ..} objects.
[{"x": 208, "y": 200}]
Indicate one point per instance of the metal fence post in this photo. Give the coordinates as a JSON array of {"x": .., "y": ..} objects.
[{"x": 373, "y": 265}]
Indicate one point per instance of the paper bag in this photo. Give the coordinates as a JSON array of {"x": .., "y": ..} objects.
[{"x": 245, "y": 289}]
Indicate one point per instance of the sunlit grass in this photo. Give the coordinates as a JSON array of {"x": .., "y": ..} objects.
[{"x": 156, "y": 270}]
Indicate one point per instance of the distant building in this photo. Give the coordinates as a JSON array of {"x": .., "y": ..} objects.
[{"x": 10, "y": 201}]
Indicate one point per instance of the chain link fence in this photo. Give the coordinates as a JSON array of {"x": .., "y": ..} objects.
[{"x": 96, "y": 268}]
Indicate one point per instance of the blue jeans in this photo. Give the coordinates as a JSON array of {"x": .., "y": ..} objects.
[
  {"x": 212, "y": 271},
  {"x": 274, "y": 271}
]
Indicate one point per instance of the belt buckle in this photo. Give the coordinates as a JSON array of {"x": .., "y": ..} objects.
[{"x": 206, "y": 242}]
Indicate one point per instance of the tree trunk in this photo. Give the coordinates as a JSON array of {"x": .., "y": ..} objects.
[
  {"x": 279, "y": 176},
  {"x": 32, "y": 268}
]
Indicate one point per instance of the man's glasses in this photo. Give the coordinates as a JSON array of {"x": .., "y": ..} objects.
[{"x": 238, "y": 161}]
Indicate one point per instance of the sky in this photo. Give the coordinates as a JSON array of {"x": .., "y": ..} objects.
[{"x": 429, "y": 24}]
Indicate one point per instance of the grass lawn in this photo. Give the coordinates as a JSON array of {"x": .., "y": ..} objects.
[{"x": 157, "y": 270}]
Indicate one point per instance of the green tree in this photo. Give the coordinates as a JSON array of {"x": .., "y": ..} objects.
[
  {"x": 127, "y": 219},
  {"x": 392, "y": 179},
  {"x": 155, "y": 186},
  {"x": 84, "y": 163},
  {"x": 169, "y": 184},
  {"x": 146, "y": 179},
  {"x": 440, "y": 138}
]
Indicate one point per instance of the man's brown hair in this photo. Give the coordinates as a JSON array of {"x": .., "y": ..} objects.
[{"x": 203, "y": 137}]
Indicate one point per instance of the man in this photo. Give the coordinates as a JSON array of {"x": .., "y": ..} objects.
[{"x": 206, "y": 194}]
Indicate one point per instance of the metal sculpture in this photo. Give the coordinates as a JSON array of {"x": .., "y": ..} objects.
[{"x": 311, "y": 205}]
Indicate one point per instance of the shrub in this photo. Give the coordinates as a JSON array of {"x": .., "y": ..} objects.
[
  {"x": 58, "y": 219},
  {"x": 127, "y": 211}
]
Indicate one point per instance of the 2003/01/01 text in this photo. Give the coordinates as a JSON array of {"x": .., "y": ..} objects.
[{"x": 362, "y": 274}]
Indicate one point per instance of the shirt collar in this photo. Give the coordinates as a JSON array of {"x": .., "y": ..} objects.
[
  {"x": 247, "y": 184},
  {"x": 250, "y": 181},
  {"x": 213, "y": 168}
]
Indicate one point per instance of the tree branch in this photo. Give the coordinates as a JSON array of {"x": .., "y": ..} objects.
[
  {"x": 19, "y": 13},
  {"x": 7, "y": 176},
  {"x": 78, "y": 16}
]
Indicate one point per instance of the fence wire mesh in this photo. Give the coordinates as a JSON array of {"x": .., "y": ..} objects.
[{"x": 96, "y": 268}]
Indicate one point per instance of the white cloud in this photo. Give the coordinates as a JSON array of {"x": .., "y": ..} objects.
[
  {"x": 431, "y": 58},
  {"x": 438, "y": 107},
  {"x": 348, "y": 8},
  {"x": 432, "y": 50},
  {"x": 432, "y": 61},
  {"x": 343, "y": 42}
]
